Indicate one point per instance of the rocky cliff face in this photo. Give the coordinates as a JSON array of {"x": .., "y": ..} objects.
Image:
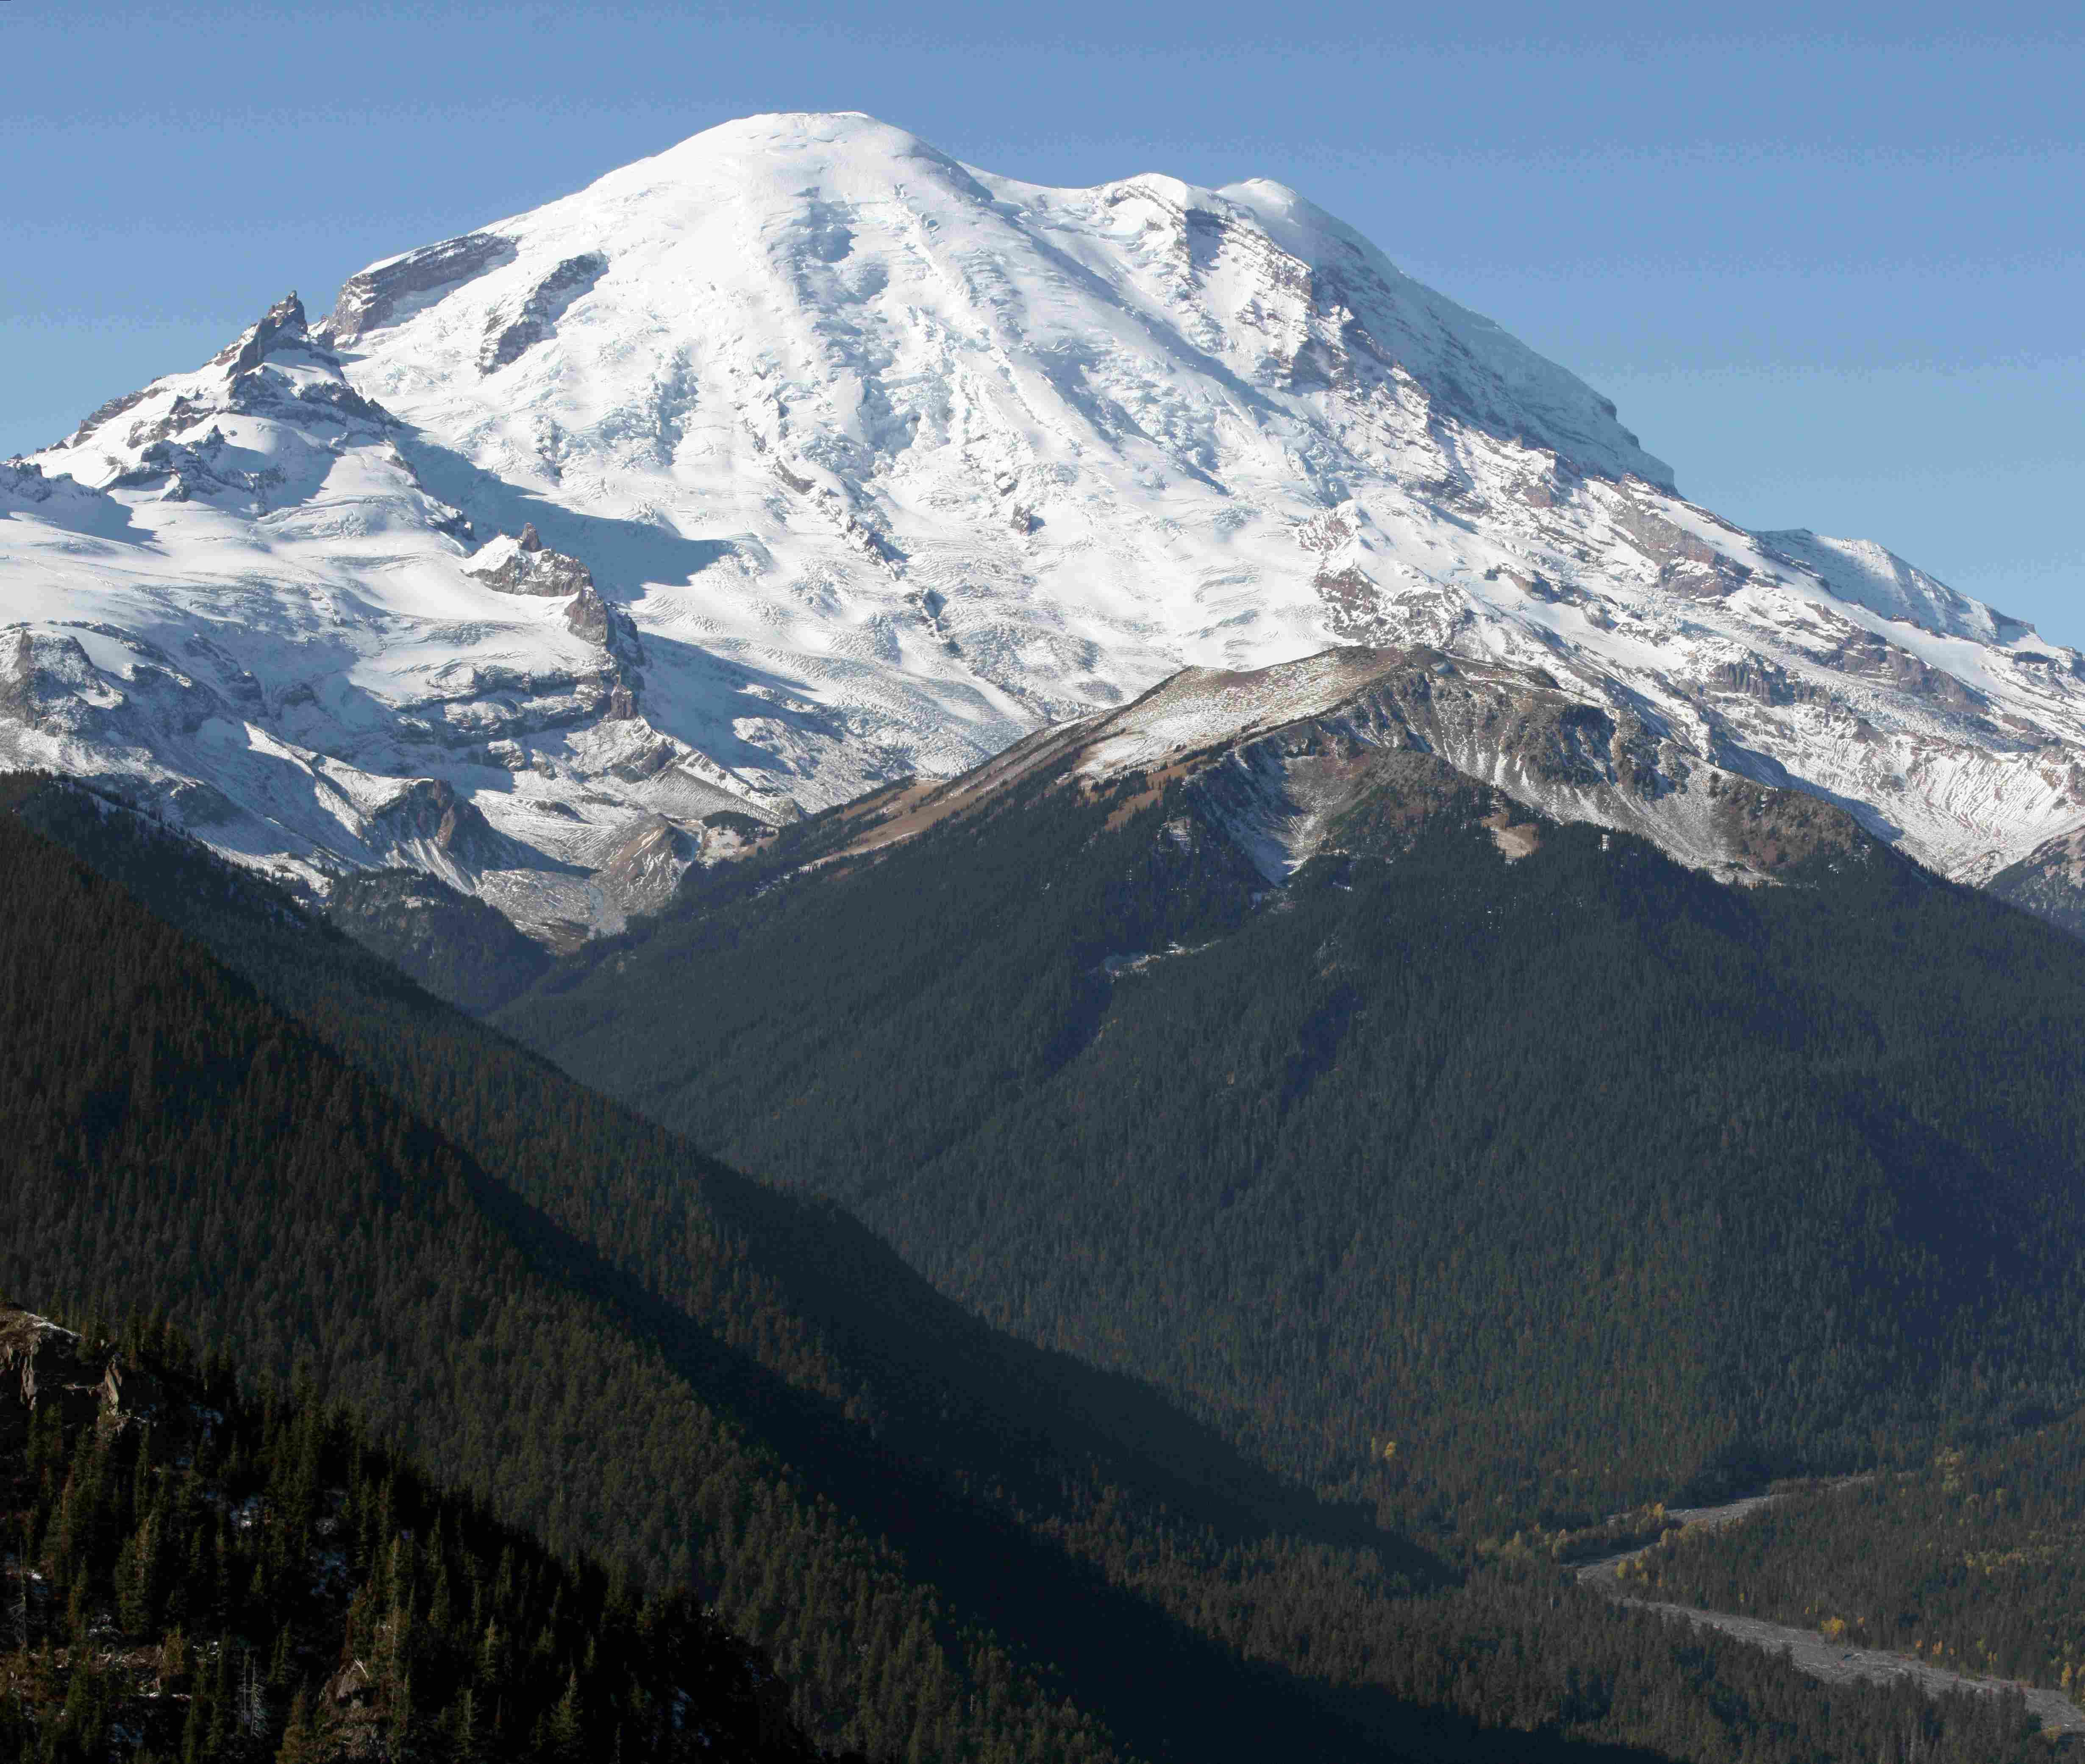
[
  {"x": 1357, "y": 749},
  {"x": 457, "y": 947},
  {"x": 2050, "y": 881},
  {"x": 44, "y": 1367},
  {"x": 801, "y": 458}
]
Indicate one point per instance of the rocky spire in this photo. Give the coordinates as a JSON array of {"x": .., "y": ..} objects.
[{"x": 284, "y": 320}]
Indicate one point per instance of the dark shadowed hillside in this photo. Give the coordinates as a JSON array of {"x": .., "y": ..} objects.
[
  {"x": 951, "y": 1544},
  {"x": 455, "y": 945},
  {"x": 204, "y": 1574},
  {"x": 1493, "y": 1172},
  {"x": 174, "y": 1141}
]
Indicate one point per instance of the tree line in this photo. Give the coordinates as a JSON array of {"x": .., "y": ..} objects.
[{"x": 949, "y": 1542}]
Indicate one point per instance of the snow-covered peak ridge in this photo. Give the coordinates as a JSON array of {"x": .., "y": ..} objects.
[
  {"x": 860, "y": 155},
  {"x": 820, "y": 210},
  {"x": 261, "y": 424},
  {"x": 1868, "y": 574},
  {"x": 1203, "y": 707},
  {"x": 253, "y": 616},
  {"x": 1504, "y": 380},
  {"x": 281, "y": 329},
  {"x": 841, "y": 461}
]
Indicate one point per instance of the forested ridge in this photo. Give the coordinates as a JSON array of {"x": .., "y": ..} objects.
[
  {"x": 200, "y": 1573},
  {"x": 1494, "y": 1195},
  {"x": 952, "y": 1544},
  {"x": 173, "y": 1140}
]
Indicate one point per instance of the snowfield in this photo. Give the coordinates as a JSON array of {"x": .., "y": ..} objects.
[{"x": 802, "y": 457}]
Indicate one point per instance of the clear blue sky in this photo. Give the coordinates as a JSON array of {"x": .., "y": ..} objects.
[{"x": 1834, "y": 279}]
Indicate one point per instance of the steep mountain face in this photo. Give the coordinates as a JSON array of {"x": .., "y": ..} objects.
[
  {"x": 1334, "y": 1046},
  {"x": 174, "y": 1143},
  {"x": 1282, "y": 761},
  {"x": 459, "y": 949},
  {"x": 950, "y": 1543},
  {"x": 2050, "y": 881},
  {"x": 282, "y": 1629},
  {"x": 802, "y": 457},
  {"x": 259, "y": 621}
]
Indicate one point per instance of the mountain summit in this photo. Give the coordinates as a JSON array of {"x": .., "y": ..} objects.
[{"x": 839, "y": 460}]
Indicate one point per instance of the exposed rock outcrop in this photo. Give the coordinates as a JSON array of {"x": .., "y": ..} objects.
[
  {"x": 47, "y": 681},
  {"x": 284, "y": 321},
  {"x": 527, "y": 566},
  {"x": 44, "y": 1366},
  {"x": 1355, "y": 749},
  {"x": 109, "y": 412},
  {"x": 507, "y": 340},
  {"x": 455, "y": 946},
  {"x": 381, "y": 294},
  {"x": 2049, "y": 880},
  {"x": 430, "y": 817}
]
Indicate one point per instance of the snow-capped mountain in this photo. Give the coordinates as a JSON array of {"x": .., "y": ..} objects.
[{"x": 802, "y": 457}]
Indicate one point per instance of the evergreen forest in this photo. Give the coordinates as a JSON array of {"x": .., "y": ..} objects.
[
  {"x": 200, "y": 1573},
  {"x": 1491, "y": 1196},
  {"x": 1975, "y": 1561},
  {"x": 949, "y": 1536}
]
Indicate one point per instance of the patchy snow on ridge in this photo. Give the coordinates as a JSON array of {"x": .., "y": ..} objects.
[{"x": 839, "y": 460}]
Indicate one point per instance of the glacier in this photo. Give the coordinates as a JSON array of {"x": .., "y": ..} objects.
[{"x": 802, "y": 458}]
